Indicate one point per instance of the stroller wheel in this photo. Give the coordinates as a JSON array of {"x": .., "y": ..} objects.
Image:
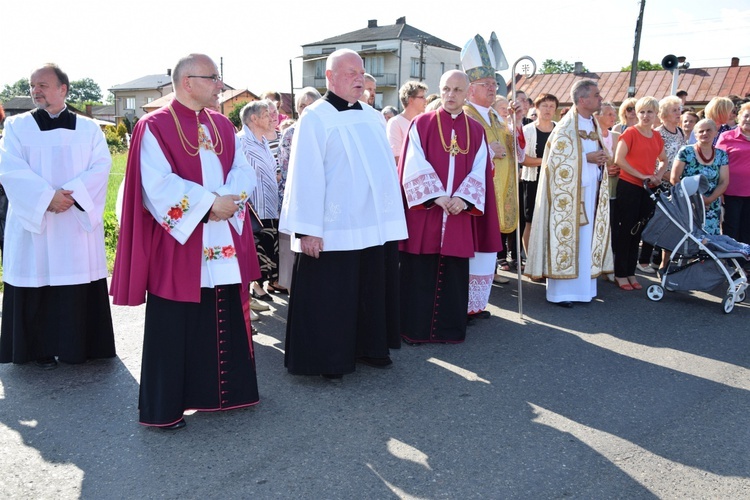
[
  {"x": 728, "y": 303},
  {"x": 655, "y": 292},
  {"x": 740, "y": 296}
]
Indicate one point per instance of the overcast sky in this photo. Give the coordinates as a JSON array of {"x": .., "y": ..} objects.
[{"x": 134, "y": 39}]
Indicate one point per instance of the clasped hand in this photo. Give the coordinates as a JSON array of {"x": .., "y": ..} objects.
[
  {"x": 451, "y": 206},
  {"x": 61, "y": 201},
  {"x": 224, "y": 207}
]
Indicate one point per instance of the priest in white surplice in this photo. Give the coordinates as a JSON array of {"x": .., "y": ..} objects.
[
  {"x": 54, "y": 166},
  {"x": 570, "y": 242},
  {"x": 342, "y": 206}
]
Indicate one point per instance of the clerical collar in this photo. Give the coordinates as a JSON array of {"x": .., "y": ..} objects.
[
  {"x": 56, "y": 115},
  {"x": 484, "y": 112},
  {"x": 339, "y": 103}
]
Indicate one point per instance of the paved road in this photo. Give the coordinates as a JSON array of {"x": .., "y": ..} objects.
[{"x": 620, "y": 398}]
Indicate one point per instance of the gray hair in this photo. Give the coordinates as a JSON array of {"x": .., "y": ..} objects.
[
  {"x": 606, "y": 104},
  {"x": 370, "y": 78},
  {"x": 182, "y": 68},
  {"x": 306, "y": 93},
  {"x": 581, "y": 89},
  {"x": 253, "y": 108}
]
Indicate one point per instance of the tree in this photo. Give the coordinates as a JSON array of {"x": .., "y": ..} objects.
[
  {"x": 234, "y": 115},
  {"x": 20, "y": 88},
  {"x": 643, "y": 66},
  {"x": 559, "y": 66},
  {"x": 84, "y": 90}
]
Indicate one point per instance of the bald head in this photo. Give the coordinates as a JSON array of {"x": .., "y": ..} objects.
[
  {"x": 196, "y": 82},
  {"x": 345, "y": 75},
  {"x": 454, "y": 87}
]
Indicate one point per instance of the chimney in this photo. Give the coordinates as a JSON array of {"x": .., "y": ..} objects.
[
  {"x": 372, "y": 23},
  {"x": 735, "y": 62},
  {"x": 169, "y": 71},
  {"x": 401, "y": 20},
  {"x": 88, "y": 110},
  {"x": 578, "y": 68}
]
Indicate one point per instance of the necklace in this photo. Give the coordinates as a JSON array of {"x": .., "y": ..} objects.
[
  {"x": 186, "y": 143},
  {"x": 454, "y": 149},
  {"x": 706, "y": 160}
]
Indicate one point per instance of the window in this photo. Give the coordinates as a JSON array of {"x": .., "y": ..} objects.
[
  {"x": 375, "y": 65},
  {"x": 442, "y": 68},
  {"x": 328, "y": 50},
  {"x": 369, "y": 46},
  {"x": 130, "y": 103},
  {"x": 149, "y": 100},
  {"x": 320, "y": 68},
  {"x": 415, "y": 68}
]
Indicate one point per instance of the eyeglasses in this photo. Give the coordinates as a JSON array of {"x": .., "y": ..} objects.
[
  {"x": 213, "y": 78},
  {"x": 630, "y": 109},
  {"x": 419, "y": 97},
  {"x": 487, "y": 85}
]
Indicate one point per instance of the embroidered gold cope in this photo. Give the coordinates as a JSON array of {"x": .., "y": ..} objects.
[
  {"x": 505, "y": 176},
  {"x": 553, "y": 247}
]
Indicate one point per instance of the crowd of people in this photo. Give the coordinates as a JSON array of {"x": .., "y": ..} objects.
[{"x": 408, "y": 218}]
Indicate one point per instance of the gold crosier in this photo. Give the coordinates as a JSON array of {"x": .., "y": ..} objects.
[{"x": 205, "y": 143}]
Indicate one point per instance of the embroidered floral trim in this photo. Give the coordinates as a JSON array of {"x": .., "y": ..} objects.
[
  {"x": 422, "y": 187},
  {"x": 175, "y": 213},
  {"x": 241, "y": 206},
  {"x": 219, "y": 252},
  {"x": 473, "y": 189}
]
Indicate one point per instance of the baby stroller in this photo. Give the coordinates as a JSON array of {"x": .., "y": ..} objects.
[{"x": 699, "y": 261}]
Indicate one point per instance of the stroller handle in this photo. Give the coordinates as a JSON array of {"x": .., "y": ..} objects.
[{"x": 651, "y": 192}]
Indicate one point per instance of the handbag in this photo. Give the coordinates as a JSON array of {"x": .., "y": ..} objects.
[{"x": 255, "y": 222}]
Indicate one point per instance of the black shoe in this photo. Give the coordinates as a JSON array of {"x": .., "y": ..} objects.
[
  {"x": 385, "y": 362},
  {"x": 261, "y": 296},
  {"x": 180, "y": 424},
  {"x": 481, "y": 315},
  {"x": 566, "y": 304},
  {"x": 409, "y": 342},
  {"x": 333, "y": 377},
  {"x": 47, "y": 363}
]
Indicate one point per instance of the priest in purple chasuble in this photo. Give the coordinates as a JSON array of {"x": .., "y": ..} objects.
[
  {"x": 443, "y": 174},
  {"x": 342, "y": 208},
  {"x": 54, "y": 166},
  {"x": 184, "y": 241}
]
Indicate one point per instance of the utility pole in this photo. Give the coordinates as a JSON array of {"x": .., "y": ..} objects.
[
  {"x": 421, "y": 58},
  {"x": 636, "y": 46}
]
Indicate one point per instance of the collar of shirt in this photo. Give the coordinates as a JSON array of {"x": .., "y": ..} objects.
[
  {"x": 339, "y": 103},
  {"x": 65, "y": 107},
  {"x": 250, "y": 137}
]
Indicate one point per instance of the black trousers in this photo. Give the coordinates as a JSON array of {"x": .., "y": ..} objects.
[{"x": 634, "y": 208}]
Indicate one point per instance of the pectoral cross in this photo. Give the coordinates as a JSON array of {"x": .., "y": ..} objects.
[{"x": 454, "y": 149}]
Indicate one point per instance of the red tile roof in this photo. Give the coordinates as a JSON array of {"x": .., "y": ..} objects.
[{"x": 701, "y": 84}]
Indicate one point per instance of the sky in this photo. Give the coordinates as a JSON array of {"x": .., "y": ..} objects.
[{"x": 135, "y": 39}]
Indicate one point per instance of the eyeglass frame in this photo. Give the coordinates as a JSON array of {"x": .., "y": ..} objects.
[
  {"x": 213, "y": 78},
  {"x": 486, "y": 85}
]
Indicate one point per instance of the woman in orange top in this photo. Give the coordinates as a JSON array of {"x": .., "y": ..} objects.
[{"x": 638, "y": 150}]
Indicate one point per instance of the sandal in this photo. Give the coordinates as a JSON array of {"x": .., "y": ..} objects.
[
  {"x": 635, "y": 285},
  {"x": 624, "y": 286},
  {"x": 504, "y": 265}
]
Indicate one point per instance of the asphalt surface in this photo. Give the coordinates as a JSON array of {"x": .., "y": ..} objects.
[{"x": 619, "y": 398}]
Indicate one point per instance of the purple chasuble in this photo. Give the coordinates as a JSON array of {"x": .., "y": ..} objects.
[
  {"x": 425, "y": 224},
  {"x": 148, "y": 258}
]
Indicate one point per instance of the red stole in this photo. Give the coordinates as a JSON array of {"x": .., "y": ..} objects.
[
  {"x": 148, "y": 258},
  {"x": 425, "y": 225}
]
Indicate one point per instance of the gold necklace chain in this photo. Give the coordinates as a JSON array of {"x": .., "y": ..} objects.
[
  {"x": 454, "y": 149},
  {"x": 186, "y": 143}
]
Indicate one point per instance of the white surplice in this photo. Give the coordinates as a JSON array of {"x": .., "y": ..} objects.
[{"x": 165, "y": 193}]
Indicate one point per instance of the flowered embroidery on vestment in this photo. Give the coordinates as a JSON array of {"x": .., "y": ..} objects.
[
  {"x": 241, "y": 206},
  {"x": 421, "y": 187},
  {"x": 175, "y": 213},
  {"x": 473, "y": 189},
  {"x": 219, "y": 252}
]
